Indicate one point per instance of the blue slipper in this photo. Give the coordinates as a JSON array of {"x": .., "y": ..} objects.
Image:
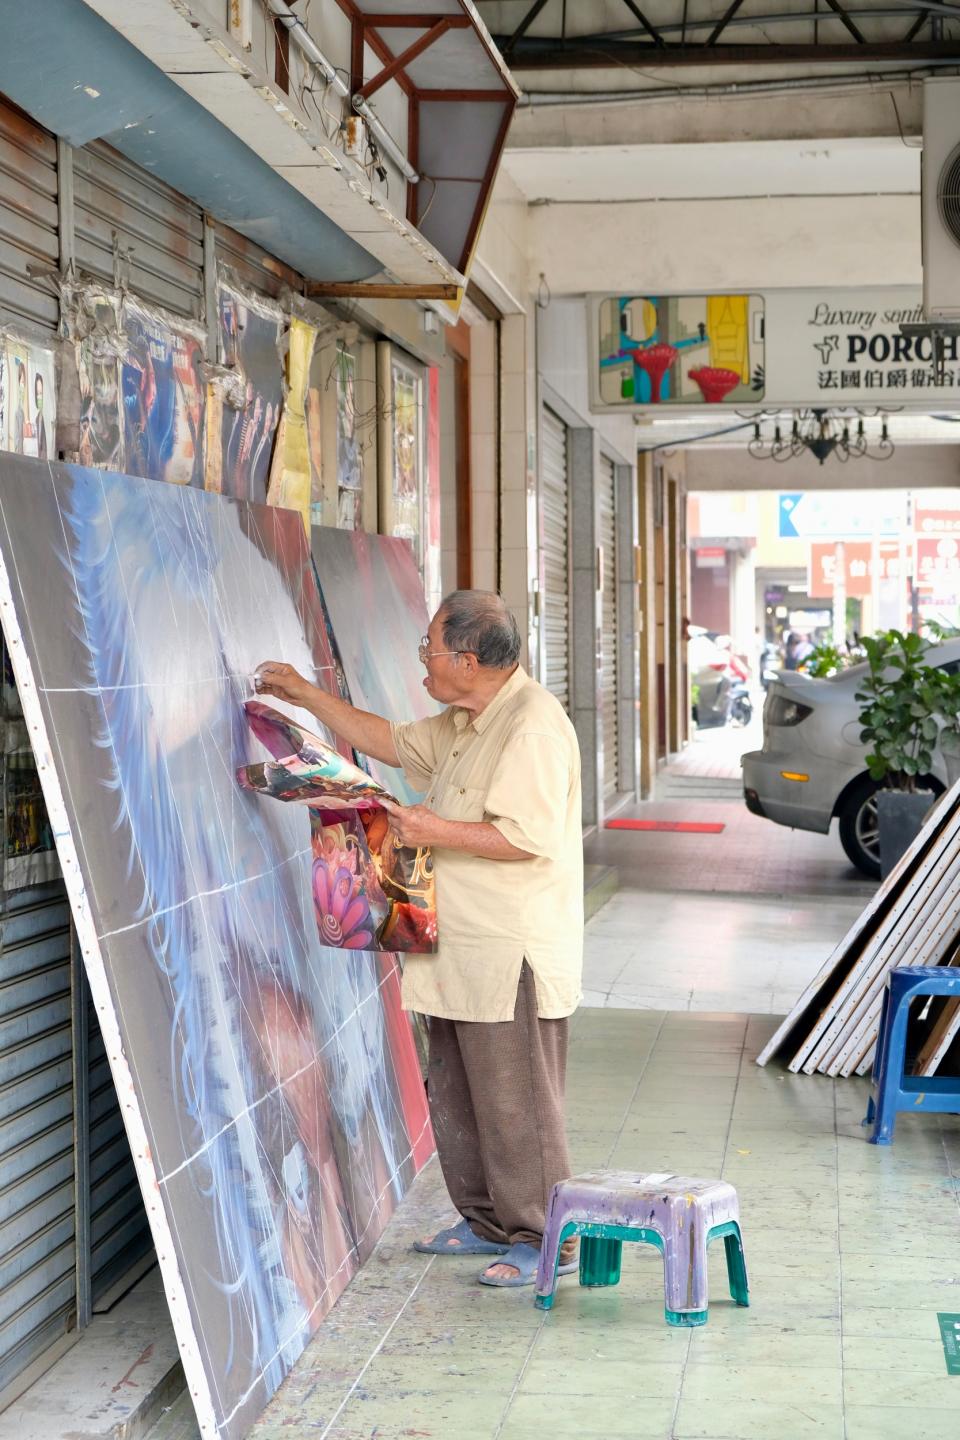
[
  {"x": 524, "y": 1259},
  {"x": 459, "y": 1239}
]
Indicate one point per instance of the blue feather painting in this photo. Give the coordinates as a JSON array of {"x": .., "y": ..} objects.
[{"x": 269, "y": 1085}]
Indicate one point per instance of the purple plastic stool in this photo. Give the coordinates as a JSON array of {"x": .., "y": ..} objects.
[{"x": 678, "y": 1214}]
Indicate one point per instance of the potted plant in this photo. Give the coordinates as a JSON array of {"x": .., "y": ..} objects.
[
  {"x": 948, "y": 708},
  {"x": 900, "y": 701}
]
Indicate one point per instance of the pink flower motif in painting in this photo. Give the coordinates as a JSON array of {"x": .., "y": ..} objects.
[{"x": 343, "y": 915}]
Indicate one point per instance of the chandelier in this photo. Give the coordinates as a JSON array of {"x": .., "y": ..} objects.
[{"x": 823, "y": 433}]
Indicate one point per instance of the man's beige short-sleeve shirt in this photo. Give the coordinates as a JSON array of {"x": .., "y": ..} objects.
[{"x": 516, "y": 766}]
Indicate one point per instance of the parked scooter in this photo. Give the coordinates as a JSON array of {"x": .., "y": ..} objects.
[
  {"x": 771, "y": 663},
  {"x": 741, "y": 705}
]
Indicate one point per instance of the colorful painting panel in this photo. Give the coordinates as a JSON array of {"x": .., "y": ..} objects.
[
  {"x": 163, "y": 399},
  {"x": 369, "y": 891},
  {"x": 98, "y": 366},
  {"x": 29, "y": 400},
  {"x": 268, "y": 1084},
  {"x": 250, "y": 334},
  {"x": 681, "y": 350},
  {"x": 373, "y": 596}
]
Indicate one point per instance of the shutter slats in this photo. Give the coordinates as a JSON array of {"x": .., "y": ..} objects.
[
  {"x": 555, "y": 508},
  {"x": 161, "y": 231},
  {"x": 36, "y": 1128},
  {"x": 607, "y": 535},
  {"x": 29, "y": 236}
]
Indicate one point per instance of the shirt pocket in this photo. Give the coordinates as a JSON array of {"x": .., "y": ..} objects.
[{"x": 460, "y": 802}]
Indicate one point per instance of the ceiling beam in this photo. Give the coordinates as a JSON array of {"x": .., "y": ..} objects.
[
  {"x": 723, "y": 22},
  {"x": 370, "y": 290},
  {"x": 838, "y": 10},
  {"x": 546, "y": 54},
  {"x": 644, "y": 23},
  {"x": 511, "y": 40},
  {"x": 917, "y": 26}
]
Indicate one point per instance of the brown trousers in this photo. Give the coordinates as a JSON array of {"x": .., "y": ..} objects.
[{"x": 496, "y": 1102}]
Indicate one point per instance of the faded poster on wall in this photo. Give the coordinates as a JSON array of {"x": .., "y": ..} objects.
[
  {"x": 31, "y": 404},
  {"x": 250, "y": 334},
  {"x": 163, "y": 398},
  {"x": 269, "y": 1084},
  {"x": 98, "y": 368},
  {"x": 407, "y": 402},
  {"x": 290, "y": 472},
  {"x": 349, "y": 450}
]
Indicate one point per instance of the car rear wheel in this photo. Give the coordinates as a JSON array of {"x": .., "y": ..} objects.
[{"x": 860, "y": 827}]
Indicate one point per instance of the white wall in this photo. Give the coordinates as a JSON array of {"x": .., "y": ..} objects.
[
  {"x": 503, "y": 252},
  {"x": 676, "y": 246}
]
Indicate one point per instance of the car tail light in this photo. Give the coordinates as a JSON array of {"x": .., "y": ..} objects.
[
  {"x": 782, "y": 711},
  {"x": 720, "y": 665}
]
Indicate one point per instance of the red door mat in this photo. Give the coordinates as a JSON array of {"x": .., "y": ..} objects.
[{"x": 682, "y": 827}]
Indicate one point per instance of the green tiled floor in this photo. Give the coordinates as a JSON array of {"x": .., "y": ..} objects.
[{"x": 852, "y": 1250}]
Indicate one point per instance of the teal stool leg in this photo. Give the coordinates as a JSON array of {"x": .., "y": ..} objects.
[
  {"x": 736, "y": 1267},
  {"x": 600, "y": 1260}
]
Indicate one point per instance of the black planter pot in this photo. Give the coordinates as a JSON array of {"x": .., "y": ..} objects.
[{"x": 900, "y": 817}]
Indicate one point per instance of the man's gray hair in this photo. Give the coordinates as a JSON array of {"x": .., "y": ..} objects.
[{"x": 479, "y": 622}]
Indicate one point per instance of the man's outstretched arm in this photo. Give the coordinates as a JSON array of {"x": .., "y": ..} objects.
[{"x": 368, "y": 733}]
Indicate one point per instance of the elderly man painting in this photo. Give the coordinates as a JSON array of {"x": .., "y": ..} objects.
[{"x": 500, "y": 770}]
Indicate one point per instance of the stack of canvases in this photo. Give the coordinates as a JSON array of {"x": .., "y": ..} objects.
[{"x": 914, "y": 919}]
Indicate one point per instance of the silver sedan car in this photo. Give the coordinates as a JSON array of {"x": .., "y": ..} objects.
[{"x": 812, "y": 767}]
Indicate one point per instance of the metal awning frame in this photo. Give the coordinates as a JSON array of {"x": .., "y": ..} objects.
[{"x": 368, "y": 29}]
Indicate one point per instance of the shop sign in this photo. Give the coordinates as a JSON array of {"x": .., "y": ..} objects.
[
  {"x": 858, "y": 565},
  {"x": 776, "y": 349},
  {"x": 937, "y": 522},
  {"x": 710, "y": 557},
  {"x": 838, "y": 515},
  {"x": 938, "y": 564}
]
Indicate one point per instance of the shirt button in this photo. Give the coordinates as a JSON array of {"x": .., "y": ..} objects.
[
  {"x": 455, "y": 754},
  {"x": 463, "y": 792}
]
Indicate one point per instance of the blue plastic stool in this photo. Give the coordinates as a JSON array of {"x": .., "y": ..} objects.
[{"x": 892, "y": 1089}]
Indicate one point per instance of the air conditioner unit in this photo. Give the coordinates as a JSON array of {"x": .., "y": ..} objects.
[{"x": 940, "y": 199}]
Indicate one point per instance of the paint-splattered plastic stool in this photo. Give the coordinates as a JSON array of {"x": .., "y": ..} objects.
[
  {"x": 892, "y": 1089},
  {"x": 678, "y": 1214}
]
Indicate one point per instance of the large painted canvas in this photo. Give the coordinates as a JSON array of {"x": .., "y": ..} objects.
[
  {"x": 374, "y": 598},
  {"x": 269, "y": 1085}
]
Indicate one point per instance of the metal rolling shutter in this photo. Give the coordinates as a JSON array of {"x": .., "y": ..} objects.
[
  {"x": 255, "y": 267},
  {"x": 555, "y": 508},
  {"x": 28, "y": 221},
  {"x": 607, "y": 538},
  {"x": 160, "y": 230},
  {"x": 37, "y": 1222},
  {"x": 119, "y": 1230}
]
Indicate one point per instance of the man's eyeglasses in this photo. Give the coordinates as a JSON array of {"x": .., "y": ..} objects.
[{"x": 425, "y": 653}]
